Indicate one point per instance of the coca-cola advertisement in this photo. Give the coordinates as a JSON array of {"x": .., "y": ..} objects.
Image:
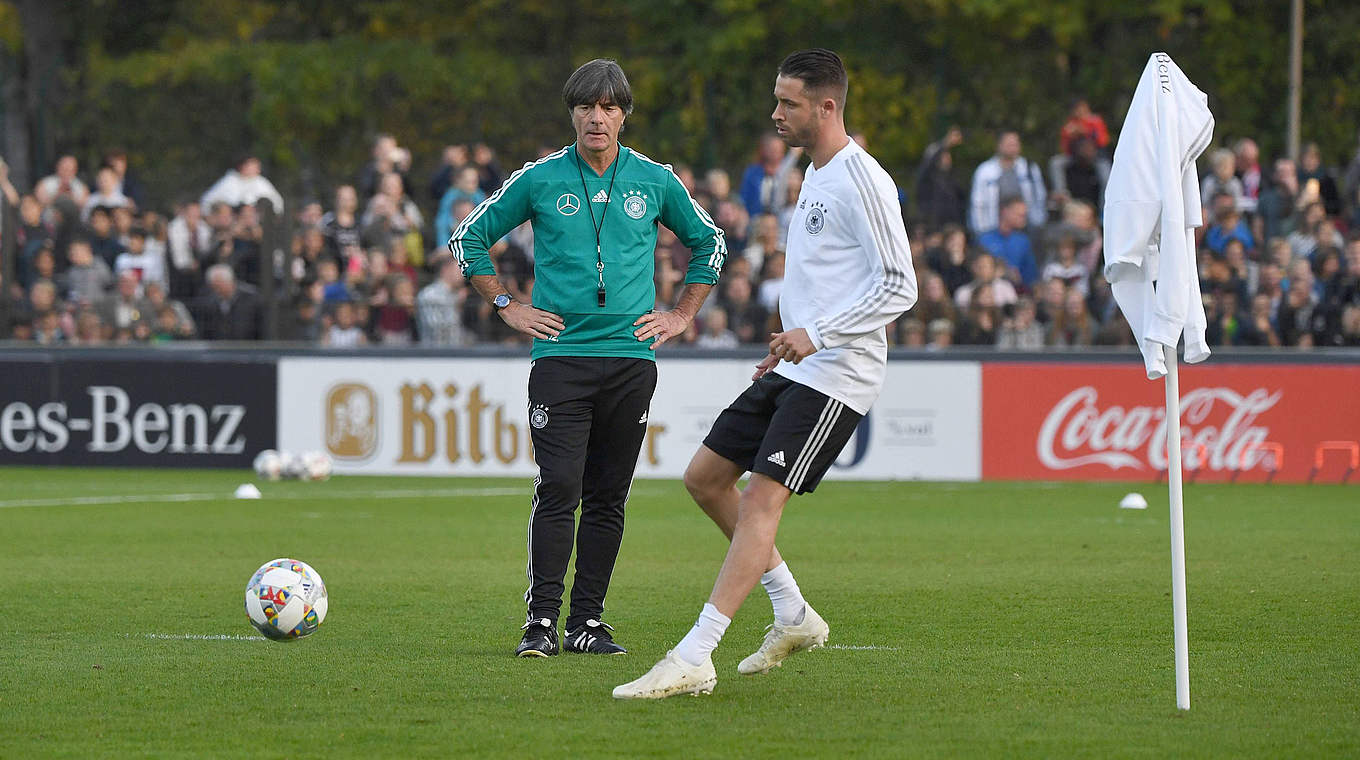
[{"x": 1250, "y": 422}]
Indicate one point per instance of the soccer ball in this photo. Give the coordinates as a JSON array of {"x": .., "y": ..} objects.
[
  {"x": 286, "y": 600},
  {"x": 269, "y": 465},
  {"x": 315, "y": 465},
  {"x": 291, "y": 465}
]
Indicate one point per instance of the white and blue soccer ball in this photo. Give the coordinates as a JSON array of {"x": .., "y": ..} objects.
[
  {"x": 269, "y": 465},
  {"x": 286, "y": 600}
]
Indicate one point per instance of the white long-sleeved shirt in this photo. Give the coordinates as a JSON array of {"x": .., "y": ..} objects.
[
  {"x": 1152, "y": 206},
  {"x": 236, "y": 190},
  {"x": 847, "y": 274},
  {"x": 984, "y": 200}
]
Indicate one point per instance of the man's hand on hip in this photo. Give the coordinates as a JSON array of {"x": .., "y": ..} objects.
[
  {"x": 534, "y": 322},
  {"x": 661, "y": 326},
  {"x": 792, "y": 346}
]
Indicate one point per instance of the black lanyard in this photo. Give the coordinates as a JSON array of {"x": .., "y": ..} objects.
[{"x": 599, "y": 254}]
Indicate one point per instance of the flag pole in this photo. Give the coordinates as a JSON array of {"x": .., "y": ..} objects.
[{"x": 1173, "y": 479}]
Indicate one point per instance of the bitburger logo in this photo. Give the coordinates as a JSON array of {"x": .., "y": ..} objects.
[{"x": 351, "y": 421}]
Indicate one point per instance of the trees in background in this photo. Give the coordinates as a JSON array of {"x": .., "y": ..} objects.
[{"x": 185, "y": 86}]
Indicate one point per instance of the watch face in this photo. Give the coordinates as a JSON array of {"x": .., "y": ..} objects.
[{"x": 501, "y": 301}]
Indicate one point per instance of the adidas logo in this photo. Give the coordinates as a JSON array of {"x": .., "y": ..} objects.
[
  {"x": 777, "y": 458},
  {"x": 600, "y": 197},
  {"x": 643, "y": 419}
]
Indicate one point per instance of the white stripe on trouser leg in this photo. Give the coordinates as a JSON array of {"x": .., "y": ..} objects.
[
  {"x": 814, "y": 444},
  {"x": 529, "y": 566}
]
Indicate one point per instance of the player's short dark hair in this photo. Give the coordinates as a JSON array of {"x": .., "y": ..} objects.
[
  {"x": 598, "y": 81},
  {"x": 820, "y": 70}
]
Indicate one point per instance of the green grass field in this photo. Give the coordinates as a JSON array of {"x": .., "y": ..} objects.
[{"x": 967, "y": 620}]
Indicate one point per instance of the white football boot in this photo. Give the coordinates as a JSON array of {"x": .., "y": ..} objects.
[
  {"x": 670, "y": 677},
  {"x": 784, "y": 640}
]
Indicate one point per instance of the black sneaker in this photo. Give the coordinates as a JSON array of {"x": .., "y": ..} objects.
[
  {"x": 540, "y": 638},
  {"x": 593, "y": 638}
]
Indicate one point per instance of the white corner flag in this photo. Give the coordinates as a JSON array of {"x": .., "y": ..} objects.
[{"x": 1152, "y": 206}]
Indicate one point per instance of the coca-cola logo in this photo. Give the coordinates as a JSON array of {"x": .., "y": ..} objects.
[{"x": 1217, "y": 428}]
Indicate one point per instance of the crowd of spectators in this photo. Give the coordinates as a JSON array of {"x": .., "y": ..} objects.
[{"x": 1009, "y": 256}]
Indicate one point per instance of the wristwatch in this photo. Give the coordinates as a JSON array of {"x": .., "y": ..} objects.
[{"x": 501, "y": 301}]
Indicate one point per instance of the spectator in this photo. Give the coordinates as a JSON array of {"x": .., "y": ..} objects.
[
  {"x": 106, "y": 195},
  {"x": 1245, "y": 272},
  {"x": 1313, "y": 230},
  {"x": 47, "y": 329},
  {"x": 345, "y": 333},
  {"x": 1005, "y": 175},
  {"x": 985, "y": 277},
  {"x": 1021, "y": 331},
  {"x": 950, "y": 258},
  {"x": 785, "y": 214},
  {"x": 124, "y": 307},
  {"x": 745, "y": 318},
  {"x": 180, "y": 324},
  {"x": 87, "y": 278},
  {"x": 718, "y": 186},
  {"x": 439, "y": 307},
  {"x": 388, "y": 157},
  {"x": 1294, "y": 317},
  {"x": 941, "y": 334},
  {"x": 43, "y": 265},
  {"x": 762, "y": 184},
  {"x": 935, "y": 302},
  {"x": 1310, "y": 169},
  {"x": 1073, "y": 325},
  {"x": 117, "y": 160},
  {"x": 1228, "y": 225},
  {"x": 981, "y": 321},
  {"x": 398, "y": 217},
  {"x": 341, "y": 227},
  {"x": 62, "y": 183},
  {"x": 395, "y": 320},
  {"x": 1222, "y": 178},
  {"x": 1010, "y": 244},
  {"x": 243, "y": 186},
  {"x": 452, "y": 160},
  {"x": 735, "y": 224},
  {"x": 771, "y": 283},
  {"x": 89, "y": 329},
  {"x": 1277, "y": 202},
  {"x": 1247, "y": 158},
  {"x": 334, "y": 289},
  {"x": 1257, "y": 329},
  {"x": 1087, "y": 173},
  {"x": 227, "y": 311},
  {"x": 1224, "y": 320},
  {"x": 148, "y": 266},
  {"x": 714, "y": 333},
  {"x": 489, "y": 171},
  {"x": 465, "y": 188},
  {"x": 247, "y": 238},
  {"x": 940, "y": 199},
  {"x": 189, "y": 243},
  {"x": 1271, "y": 285},
  {"x": 764, "y": 241},
  {"x": 1081, "y": 124},
  {"x": 909, "y": 333},
  {"x": 1063, "y": 266},
  {"x": 303, "y": 322}
]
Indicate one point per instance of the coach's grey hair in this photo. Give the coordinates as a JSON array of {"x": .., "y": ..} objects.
[{"x": 598, "y": 81}]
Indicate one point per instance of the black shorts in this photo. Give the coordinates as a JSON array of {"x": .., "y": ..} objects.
[{"x": 784, "y": 430}]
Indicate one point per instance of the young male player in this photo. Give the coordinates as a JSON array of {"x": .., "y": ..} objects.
[{"x": 847, "y": 274}]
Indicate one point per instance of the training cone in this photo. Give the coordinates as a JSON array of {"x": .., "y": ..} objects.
[
  {"x": 1133, "y": 501},
  {"x": 247, "y": 491}
]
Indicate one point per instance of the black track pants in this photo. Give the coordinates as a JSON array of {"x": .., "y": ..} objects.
[{"x": 588, "y": 418}]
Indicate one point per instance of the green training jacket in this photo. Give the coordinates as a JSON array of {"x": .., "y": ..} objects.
[{"x": 558, "y": 194}]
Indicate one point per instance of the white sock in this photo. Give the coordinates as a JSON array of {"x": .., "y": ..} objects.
[
  {"x": 784, "y": 595},
  {"x": 703, "y": 638}
]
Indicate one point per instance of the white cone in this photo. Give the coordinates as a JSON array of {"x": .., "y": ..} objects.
[
  {"x": 1133, "y": 501},
  {"x": 247, "y": 491}
]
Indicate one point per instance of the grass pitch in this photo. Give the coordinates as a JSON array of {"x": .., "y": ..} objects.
[{"x": 981, "y": 620}]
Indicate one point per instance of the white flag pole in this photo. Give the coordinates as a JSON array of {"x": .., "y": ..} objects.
[{"x": 1173, "y": 479}]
